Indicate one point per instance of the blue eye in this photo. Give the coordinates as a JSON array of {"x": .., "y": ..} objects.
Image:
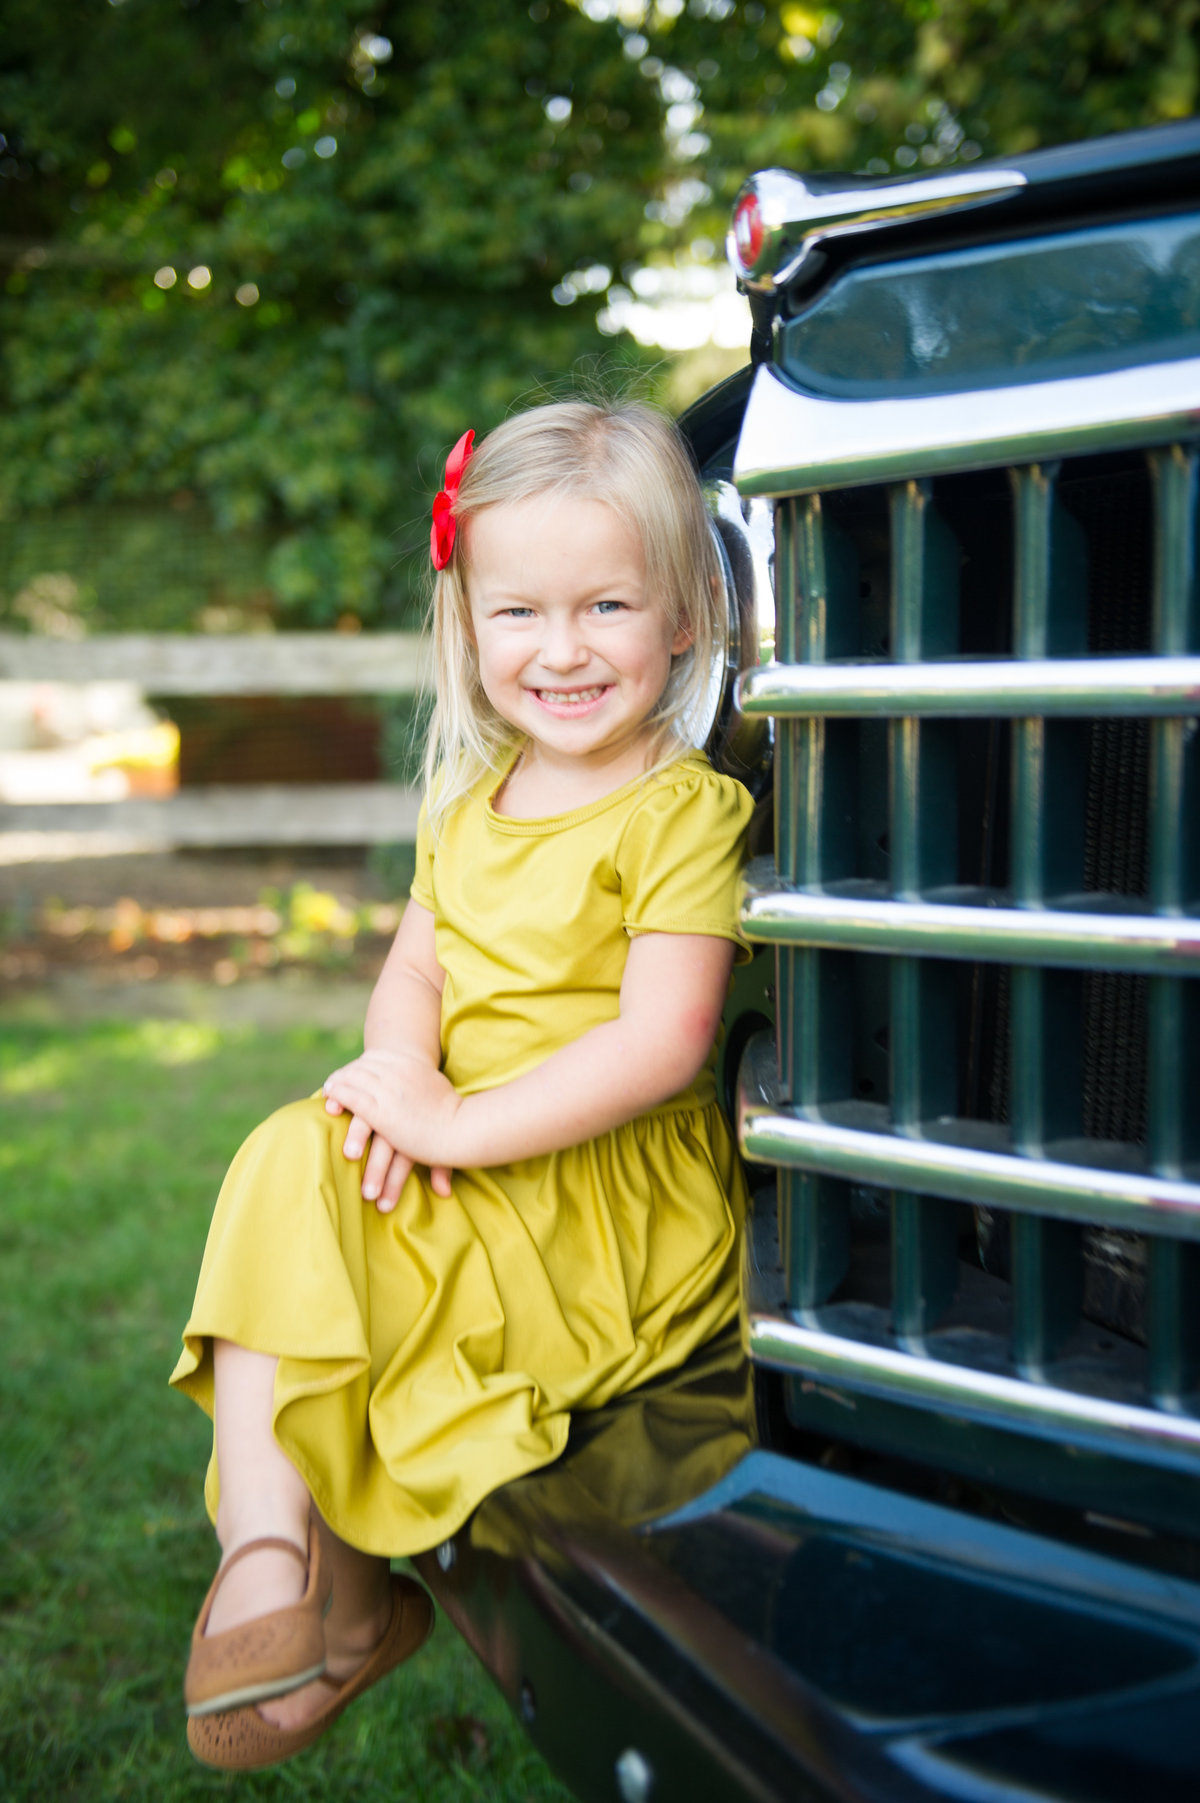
[{"x": 603, "y": 607}]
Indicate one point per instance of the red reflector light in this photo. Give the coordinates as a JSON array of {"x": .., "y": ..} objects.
[{"x": 748, "y": 230}]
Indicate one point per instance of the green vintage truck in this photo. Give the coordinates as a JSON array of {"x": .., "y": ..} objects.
[{"x": 929, "y": 1527}]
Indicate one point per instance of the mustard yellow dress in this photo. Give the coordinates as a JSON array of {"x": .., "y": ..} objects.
[{"x": 429, "y": 1355}]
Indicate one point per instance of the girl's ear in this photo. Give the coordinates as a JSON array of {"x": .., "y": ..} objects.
[{"x": 683, "y": 636}]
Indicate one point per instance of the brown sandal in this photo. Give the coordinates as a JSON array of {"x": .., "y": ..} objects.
[
  {"x": 264, "y": 1657},
  {"x": 239, "y": 1740}
]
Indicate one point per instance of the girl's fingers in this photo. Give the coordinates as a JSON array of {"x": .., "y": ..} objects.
[
  {"x": 338, "y": 1082},
  {"x": 344, "y": 1082},
  {"x": 440, "y": 1180},
  {"x": 357, "y": 1135},
  {"x": 376, "y": 1168},
  {"x": 393, "y": 1183},
  {"x": 355, "y": 1096}
]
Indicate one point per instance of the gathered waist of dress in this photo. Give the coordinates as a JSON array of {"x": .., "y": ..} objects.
[{"x": 700, "y": 1093}]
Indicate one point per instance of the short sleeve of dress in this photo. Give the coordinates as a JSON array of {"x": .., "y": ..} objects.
[
  {"x": 421, "y": 887},
  {"x": 681, "y": 855}
]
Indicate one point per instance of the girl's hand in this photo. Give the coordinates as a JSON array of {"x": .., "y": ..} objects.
[
  {"x": 407, "y": 1108},
  {"x": 386, "y": 1170}
]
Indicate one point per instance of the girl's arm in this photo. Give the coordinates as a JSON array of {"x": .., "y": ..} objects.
[
  {"x": 671, "y": 1000},
  {"x": 405, "y": 1009},
  {"x": 672, "y": 995},
  {"x": 403, "y": 1017}
]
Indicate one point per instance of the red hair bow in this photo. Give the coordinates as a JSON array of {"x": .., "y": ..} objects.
[{"x": 441, "y": 539}]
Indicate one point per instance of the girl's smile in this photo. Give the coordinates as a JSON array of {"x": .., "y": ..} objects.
[
  {"x": 574, "y": 650},
  {"x": 569, "y": 703}
]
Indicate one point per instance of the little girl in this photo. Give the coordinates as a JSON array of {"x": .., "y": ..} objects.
[{"x": 556, "y": 1200}]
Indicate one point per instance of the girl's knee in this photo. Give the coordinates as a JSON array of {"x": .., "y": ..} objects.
[
  {"x": 295, "y": 1153},
  {"x": 300, "y": 1129}
]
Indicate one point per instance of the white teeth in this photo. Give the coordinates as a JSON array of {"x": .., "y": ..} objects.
[{"x": 561, "y": 698}]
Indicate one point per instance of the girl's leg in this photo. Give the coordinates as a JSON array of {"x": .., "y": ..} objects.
[
  {"x": 262, "y": 1494},
  {"x": 358, "y": 1616},
  {"x": 361, "y": 1605}
]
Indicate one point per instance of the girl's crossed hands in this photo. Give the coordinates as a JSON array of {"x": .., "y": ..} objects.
[{"x": 406, "y": 1108}]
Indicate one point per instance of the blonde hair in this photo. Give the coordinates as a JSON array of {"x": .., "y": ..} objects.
[{"x": 633, "y": 460}]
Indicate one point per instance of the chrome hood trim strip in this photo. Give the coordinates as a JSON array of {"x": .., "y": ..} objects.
[{"x": 794, "y": 442}]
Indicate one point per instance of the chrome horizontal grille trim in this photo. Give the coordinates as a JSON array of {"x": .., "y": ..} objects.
[
  {"x": 794, "y": 442},
  {"x": 1066, "y": 939},
  {"x": 775, "y": 1336},
  {"x": 1085, "y": 687},
  {"x": 769, "y": 1134}
]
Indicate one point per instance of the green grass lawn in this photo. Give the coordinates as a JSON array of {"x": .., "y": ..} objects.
[{"x": 113, "y": 1140}]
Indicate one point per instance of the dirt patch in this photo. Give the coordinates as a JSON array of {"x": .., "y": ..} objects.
[
  {"x": 192, "y": 879},
  {"x": 122, "y": 924}
]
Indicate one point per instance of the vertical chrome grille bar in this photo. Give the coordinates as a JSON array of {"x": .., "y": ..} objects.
[
  {"x": 814, "y": 1212},
  {"x": 1047, "y": 1270},
  {"x": 787, "y": 786},
  {"x": 1174, "y": 1314},
  {"x": 923, "y": 598}
]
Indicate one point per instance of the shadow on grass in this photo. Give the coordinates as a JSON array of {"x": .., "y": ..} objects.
[{"x": 113, "y": 1140}]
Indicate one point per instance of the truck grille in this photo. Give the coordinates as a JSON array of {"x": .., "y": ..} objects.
[{"x": 982, "y": 1099}]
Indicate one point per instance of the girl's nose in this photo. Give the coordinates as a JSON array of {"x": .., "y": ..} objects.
[{"x": 562, "y": 646}]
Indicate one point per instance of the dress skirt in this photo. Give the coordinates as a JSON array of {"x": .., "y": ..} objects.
[{"x": 429, "y": 1355}]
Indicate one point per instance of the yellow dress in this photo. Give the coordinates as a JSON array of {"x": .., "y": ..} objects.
[{"x": 429, "y": 1355}]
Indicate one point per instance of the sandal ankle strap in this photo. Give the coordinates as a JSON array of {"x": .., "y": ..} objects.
[{"x": 266, "y": 1543}]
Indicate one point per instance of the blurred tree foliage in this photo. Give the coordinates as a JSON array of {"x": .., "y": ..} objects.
[
  {"x": 268, "y": 254},
  {"x": 894, "y": 86},
  {"x": 271, "y": 256}
]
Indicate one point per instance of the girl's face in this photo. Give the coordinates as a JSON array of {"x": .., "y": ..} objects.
[{"x": 574, "y": 650}]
